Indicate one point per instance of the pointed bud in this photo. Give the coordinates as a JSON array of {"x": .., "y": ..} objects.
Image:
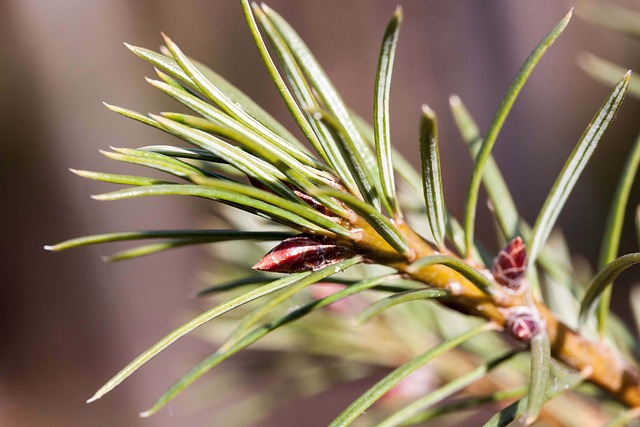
[
  {"x": 510, "y": 265},
  {"x": 523, "y": 325},
  {"x": 303, "y": 253}
]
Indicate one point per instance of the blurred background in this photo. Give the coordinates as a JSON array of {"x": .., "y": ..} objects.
[{"x": 68, "y": 322}]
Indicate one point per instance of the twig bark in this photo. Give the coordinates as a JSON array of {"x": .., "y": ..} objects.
[{"x": 595, "y": 359}]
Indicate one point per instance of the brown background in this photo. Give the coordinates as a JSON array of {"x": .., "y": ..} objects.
[{"x": 68, "y": 321}]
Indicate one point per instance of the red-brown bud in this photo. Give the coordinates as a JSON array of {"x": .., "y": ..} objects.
[
  {"x": 510, "y": 265},
  {"x": 523, "y": 325},
  {"x": 302, "y": 253}
]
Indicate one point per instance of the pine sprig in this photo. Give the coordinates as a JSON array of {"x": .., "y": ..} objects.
[{"x": 341, "y": 209}]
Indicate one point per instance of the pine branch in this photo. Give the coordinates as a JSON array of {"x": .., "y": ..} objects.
[{"x": 334, "y": 199}]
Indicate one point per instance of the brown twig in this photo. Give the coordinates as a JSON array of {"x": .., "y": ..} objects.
[{"x": 595, "y": 359}]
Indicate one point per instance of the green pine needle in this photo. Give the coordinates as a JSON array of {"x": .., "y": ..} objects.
[
  {"x": 502, "y": 203},
  {"x": 381, "y": 127},
  {"x": 540, "y": 366},
  {"x": 573, "y": 167},
  {"x": 496, "y": 125},
  {"x": 379, "y": 222},
  {"x": 259, "y": 332},
  {"x": 413, "y": 409},
  {"x": 613, "y": 228},
  {"x": 470, "y": 273},
  {"x": 360, "y": 405},
  {"x": 359, "y": 154},
  {"x": 602, "y": 280},
  {"x": 400, "y": 298},
  {"x": 431, "y": 176}
]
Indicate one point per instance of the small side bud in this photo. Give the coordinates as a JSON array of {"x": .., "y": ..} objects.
[
  {"x": 313, "y": 203},
  {"x": 303, "y": 253},
  {"x": 510, "y": 265},
  {"x": 523, "y": 325}
]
